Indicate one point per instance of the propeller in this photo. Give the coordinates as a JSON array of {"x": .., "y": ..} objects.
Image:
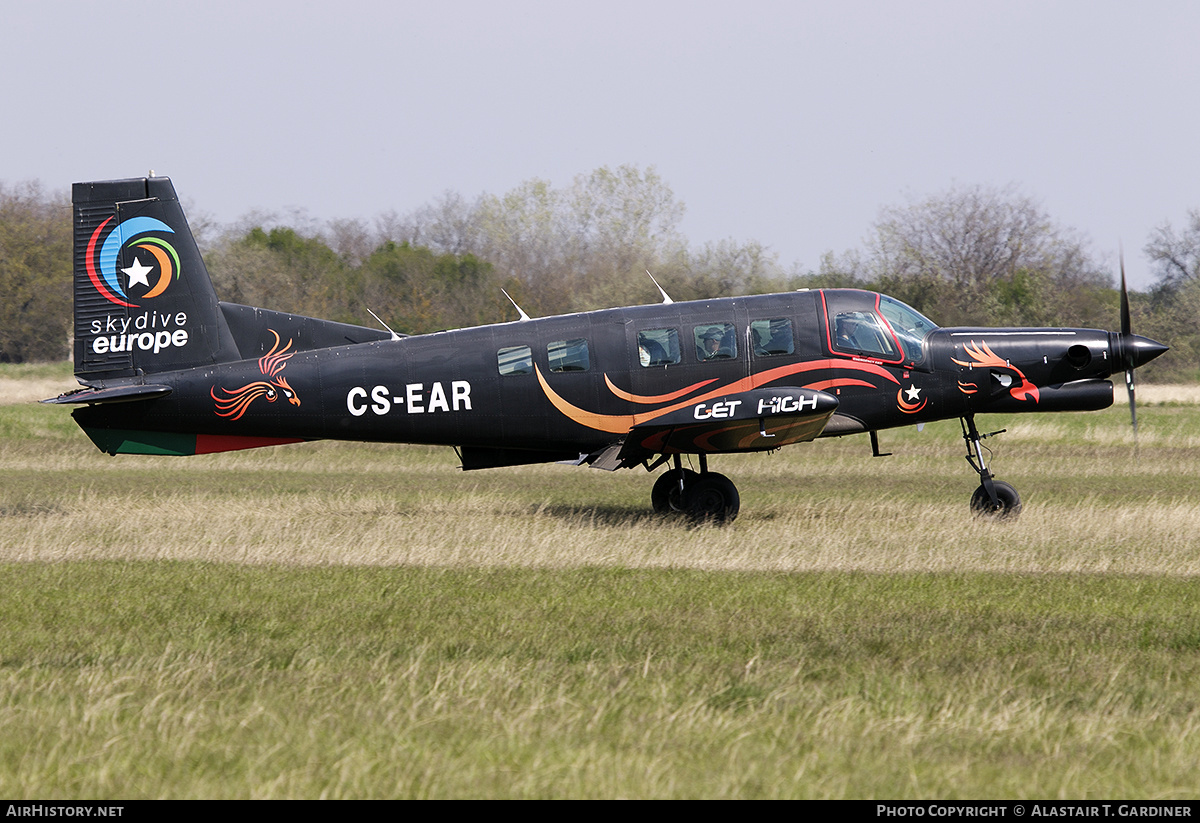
[
  {"x": 1126, "y": 335},
  {"x": 1132, "y": 350}
]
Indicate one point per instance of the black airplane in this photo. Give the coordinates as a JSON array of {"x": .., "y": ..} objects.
[{"x": 168, "y": 369}]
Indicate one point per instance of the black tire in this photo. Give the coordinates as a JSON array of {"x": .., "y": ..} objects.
[
  {"x": 712, "y": 499},
  {"x": 1010, "y": 502},
  {"x": 665, "y": 496}
]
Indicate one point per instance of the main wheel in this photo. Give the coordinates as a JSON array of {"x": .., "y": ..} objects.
[
  {"x": 666, "y": 496},
  {"x": 712, "y": 498},
  {"x": 1010, "y": 502}
]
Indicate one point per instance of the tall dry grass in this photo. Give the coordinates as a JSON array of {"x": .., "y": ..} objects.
[
  {"x": 342, "y": 620},
  {"x": 470, "y": 526},
  {"x": 1095, "y": 501}
]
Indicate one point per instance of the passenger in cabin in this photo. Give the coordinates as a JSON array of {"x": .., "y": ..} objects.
[
  {"x": 713, "y": 346},
  {"x": 772, "y": 337}
]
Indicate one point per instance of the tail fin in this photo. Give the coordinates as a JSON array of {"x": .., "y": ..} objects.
[{"x": 143, "y": 299}]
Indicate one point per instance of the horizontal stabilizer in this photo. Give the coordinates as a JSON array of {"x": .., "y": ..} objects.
[{"x": 116, "y": 394}]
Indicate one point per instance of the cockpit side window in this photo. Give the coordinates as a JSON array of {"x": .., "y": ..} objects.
[
  {"x": 860, "y": 332},
  {"x": 874, "y": 325}
]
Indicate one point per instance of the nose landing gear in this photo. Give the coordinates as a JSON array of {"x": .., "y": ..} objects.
[{"x": 994, "y": 499}]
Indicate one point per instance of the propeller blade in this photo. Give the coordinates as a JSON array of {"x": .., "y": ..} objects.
[
  {"x": 1130, "y": 351},
  {"x": 1132, "y": 402},
  {"x": 1127, "y": 344},
  {"x": 1125, "y": 322}
]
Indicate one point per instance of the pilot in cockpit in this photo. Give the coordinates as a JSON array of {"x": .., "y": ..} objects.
[{"x": 847, "y": 328}]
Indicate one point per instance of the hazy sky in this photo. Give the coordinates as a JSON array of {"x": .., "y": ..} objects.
[{"x": 791, "y": 123}]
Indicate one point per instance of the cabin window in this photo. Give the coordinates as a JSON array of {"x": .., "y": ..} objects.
[
  {"x": 658, "y": 347},
  {"x": 860, "y": 332},
  {"x": 772, "y": 337},
  {"x": 568, "y": 355},
  {"x": 715, "y": 341},
  {"x": 515, "y": 360}
]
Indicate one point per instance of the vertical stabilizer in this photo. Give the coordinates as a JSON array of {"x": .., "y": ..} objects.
[{"x": 143, "y": 299}]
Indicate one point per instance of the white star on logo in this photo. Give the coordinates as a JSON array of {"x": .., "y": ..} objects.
[
  {"x": 913, "y": 392},
  {"x": 138, "y": 273}
]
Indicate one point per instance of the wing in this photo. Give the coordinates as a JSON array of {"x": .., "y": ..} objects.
[{"x": 757, "y": 420}]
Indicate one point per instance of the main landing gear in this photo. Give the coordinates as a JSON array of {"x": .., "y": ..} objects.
[
  {"x": 993, "y": 499},
  {"x": 705, "y": 496}
]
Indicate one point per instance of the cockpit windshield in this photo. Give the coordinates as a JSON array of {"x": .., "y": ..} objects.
[{"x": 910, "y": 326}]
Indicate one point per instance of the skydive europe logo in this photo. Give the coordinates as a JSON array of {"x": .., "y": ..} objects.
[{"x": 160, "y": 256}]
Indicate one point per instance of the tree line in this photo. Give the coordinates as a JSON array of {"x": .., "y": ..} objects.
[{"x": 971, "y": 255}]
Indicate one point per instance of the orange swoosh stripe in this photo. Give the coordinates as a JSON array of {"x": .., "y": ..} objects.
[
  {"x": 622, "y": 423},
  {"x": 658, "y": 398}
]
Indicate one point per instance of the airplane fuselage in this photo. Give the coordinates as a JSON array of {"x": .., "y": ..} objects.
[{"x": 574, "y": 384}]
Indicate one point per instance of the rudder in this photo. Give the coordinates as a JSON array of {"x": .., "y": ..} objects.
[{"x": 144, "y": 302}]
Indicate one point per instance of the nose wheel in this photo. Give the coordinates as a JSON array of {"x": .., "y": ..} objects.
[
  {"x": 705, "y": 497},
  {"x": 1007, "y": 504},
  {"x": 994, "y": 499}
]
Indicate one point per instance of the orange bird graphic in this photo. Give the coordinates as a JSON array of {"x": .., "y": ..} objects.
[
  {"x": 235, "y": 401},
  {"x": 982, "y": 355}
]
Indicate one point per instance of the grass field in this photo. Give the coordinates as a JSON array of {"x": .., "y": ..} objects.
[{"x": 343, "y": 620}]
